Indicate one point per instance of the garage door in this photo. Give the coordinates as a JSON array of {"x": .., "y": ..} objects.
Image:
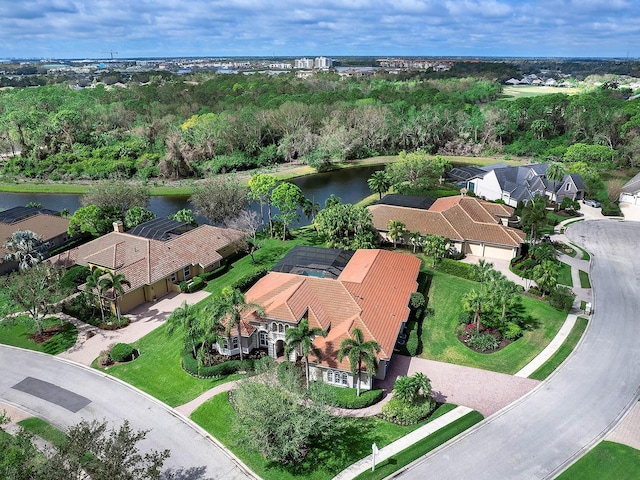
[
  {"x": 475, "y": 249},
  {"x": 498, "y": 252}
]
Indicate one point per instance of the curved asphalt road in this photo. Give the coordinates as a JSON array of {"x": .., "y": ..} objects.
[
  {"x": 542, "y": 434},
  {"x": 64, "y": 393}
]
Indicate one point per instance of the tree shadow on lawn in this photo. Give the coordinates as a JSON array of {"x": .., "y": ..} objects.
[{"x": 347, "y": 444}]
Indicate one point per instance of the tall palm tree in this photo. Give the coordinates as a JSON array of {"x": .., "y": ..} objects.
[
  {"x": 228, "y": 309},
  {"x": 185, "y": 317},
  {"x": 24, "y": 247},
  {"x": 379, "y": 182},
  {"x": 556, "y": 171},
  {"x": 94, "y": 286},
  {"x": 481, "y": 270},
  {"x": 358, "y": 352},
  {"x": 416, "y": 239},
  {"x": 503, "y": 291},
  {"x": 115, "y": 283},
  {"x": 476, "y": 302},
  {"x": 302, "y": 337}
]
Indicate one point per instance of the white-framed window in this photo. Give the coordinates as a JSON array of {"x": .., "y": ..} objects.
[
  {"x": 338, "y": 378},
  {"x": 568, "y": 187},
  {"x": 187, "y": 272},
  {"x": 234, "y": 343},
  {"x": 263, "y": 339},
  {"x": 274, "y": 327},
  {"x": 174, "y": 277},
  {"x": 329, "y": 376},
  {"x": 280, "y": 328},
  {"x": 345, "y": 379}
]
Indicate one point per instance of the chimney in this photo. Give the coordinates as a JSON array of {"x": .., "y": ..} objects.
[{"x": 118, "y": 226}]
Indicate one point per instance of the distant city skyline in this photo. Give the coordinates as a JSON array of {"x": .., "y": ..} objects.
[{"x": 306, "y": 28}]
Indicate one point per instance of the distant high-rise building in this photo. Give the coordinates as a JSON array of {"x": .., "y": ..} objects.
[
  {"x": 323, "y": 62},
  {"x": 304, "y": 63}
]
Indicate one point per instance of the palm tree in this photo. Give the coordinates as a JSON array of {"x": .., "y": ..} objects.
[
  {"x": 416, "y": 239},
  {"x": 481, "y": 270},
  {"x": 503, "y": 291},
  {"x": 228, "y": 309},
  {"x": 24, "y": 247},
  {"x": 302, "y": 337},
  {"x": 185, "y": 316},
  {"x": 556, "y": 171},
  {"x": 396, "y": 230},
  {"x": 476, "y": 302},
  {"x": 115, "y": 282},
  {"x": 379, "y": 182},
  {"x": 94, "y": 286},
  {"x": 545, "y": 275},
  {"x": 358, "y": 352}
]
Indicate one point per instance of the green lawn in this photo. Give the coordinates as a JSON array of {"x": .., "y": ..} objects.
[
  {"x": 17, "y": 332},
  {"x": 607, "y": 461},
  {"x": 564, "y": 275},
  {"x": 563, "y": 352},
  {"x": 584, "y": 279},
  {"x": 438, "y": 332},
  {"x": 323, "y": 461},
  {"x": 44, "y": 430},
  {"x": 417, "y": 450}
]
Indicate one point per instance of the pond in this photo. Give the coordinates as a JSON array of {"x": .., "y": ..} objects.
[{"x": 348, "y": 184}]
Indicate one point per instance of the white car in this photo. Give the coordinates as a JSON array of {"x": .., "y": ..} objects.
[{"x": 592, "y": 203}]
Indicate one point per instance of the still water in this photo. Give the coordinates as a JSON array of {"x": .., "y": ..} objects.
[{"x": 349, "y": 184}]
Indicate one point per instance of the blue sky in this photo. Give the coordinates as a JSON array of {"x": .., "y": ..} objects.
[{"x": 157, "y": 28}]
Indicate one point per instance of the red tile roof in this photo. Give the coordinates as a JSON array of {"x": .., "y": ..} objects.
[
  {"x": 457, "y": 218},
  {"x": 371, "y": 294},
  {"x": 144, "y": 261}
]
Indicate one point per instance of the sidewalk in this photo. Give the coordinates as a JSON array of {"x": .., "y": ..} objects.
[{"x": 396, "y": 447}]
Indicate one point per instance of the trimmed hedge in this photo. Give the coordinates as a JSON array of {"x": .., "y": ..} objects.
[
  {"x": 249, "y": 280},
  {"x": 121, "y": 352},
  {"x": 196, "y": 284},
  {"x": 190, "y": 365},
  {"x": 342, "y": 397},
  {"x": 455, "y": 268}
]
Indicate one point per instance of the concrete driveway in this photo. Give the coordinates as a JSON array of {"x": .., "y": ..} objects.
[
  {"x": 540, "y": 435},
  {"x": 144, "y": 319},
  {"x": 64, "y": 393}
]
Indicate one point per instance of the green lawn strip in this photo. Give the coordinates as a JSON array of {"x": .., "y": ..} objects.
[
  {"x": 585, "y": 254},
  {"x": 158, "y": 370},
  {"x": 438, "y": 332},
  {"x": 44, "y": 430},
  {"x": 564, "y": 275},
  {"x": 563, "y": 352},
  {"x": 323, "y": 461},
  {"x": 584, "y": 279},
  {"x": 16, "y": 333},
  {"x": 606, "y": 461},
  {"x": 424, "y": 446}
]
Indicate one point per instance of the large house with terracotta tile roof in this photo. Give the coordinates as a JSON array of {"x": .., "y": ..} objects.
[
  {"x": 155, "y": 260},
  {"x": 47, "y": 224},
  {"x": 371, "y": 293},
  {"x": 473, "y": 226}
]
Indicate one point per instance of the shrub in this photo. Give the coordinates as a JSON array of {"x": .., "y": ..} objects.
[
  {"x": 183, "y": 286},
  {"x": 402, "y": 413},
  {"x": 248, "y": 280},
  {"x": 562, "y": 298},
  {"x": 417, "y": 300},
  {"x": 341, "y": 397},
  {"x": 73, "y": 277},
  {"x": 535, "y": 291},
  {"x": 413, "y": 343},
  {"x": 483, "y": 342},
  {"x": 190, "y": 365},
  {"x": 512, "y": 331},
  {"x": 455, "y": 268},
  {"x": 121, "y": 352},
  {"x": 196, "y": 284}
]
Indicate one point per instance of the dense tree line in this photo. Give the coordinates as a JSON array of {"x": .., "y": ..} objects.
[{"x": 190, "y": 127}]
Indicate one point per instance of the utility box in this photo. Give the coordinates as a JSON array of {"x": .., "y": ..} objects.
[{"x": 587, "y": 308}]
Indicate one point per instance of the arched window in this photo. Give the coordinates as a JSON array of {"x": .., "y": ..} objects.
[
  {"x": 329, "y": 376},
  {"x": 345, "y": 379},
  {"x": 280, "y": 328},
  {"x": 274, "y": 327}
]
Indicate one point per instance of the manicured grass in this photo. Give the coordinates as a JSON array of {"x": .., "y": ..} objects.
[
  {"x": 585, "y": 254},
  {"x": 563, "y": 352},
  {"x": 158, "y": 370},
  {"x": 44, "y": 430},
  {"x": 16, "y": 333},
  {"x": 323, "y": 461},
  {"x": 584, "y": 279},
  {"x": 564, "y": 275},
  {"x": 417, "y": 450},
  {"x": 607, "y": 461},
  {"x": 440, "y": 342}
]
